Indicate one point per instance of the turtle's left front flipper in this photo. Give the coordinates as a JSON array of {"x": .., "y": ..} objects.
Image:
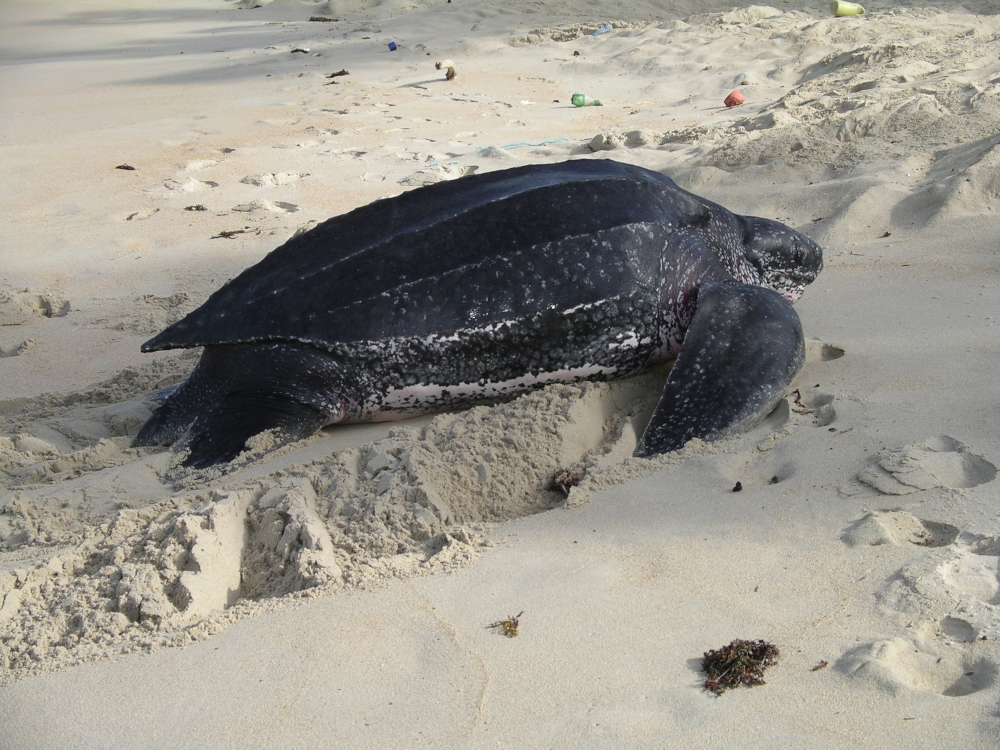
[{"x": 741, "y": 352}]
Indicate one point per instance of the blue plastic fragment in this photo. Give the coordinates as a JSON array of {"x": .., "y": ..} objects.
[{"x": 525, "y": 143}]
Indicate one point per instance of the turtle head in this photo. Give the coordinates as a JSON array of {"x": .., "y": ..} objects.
[{"x": 786, "y": 260}]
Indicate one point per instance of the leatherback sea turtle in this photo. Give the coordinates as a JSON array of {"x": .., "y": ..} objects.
[{"x": 492, "y": 285}]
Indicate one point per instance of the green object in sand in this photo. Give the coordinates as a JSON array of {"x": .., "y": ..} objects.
[
  {"x": 844, "y": 8},
  {"x": 582, "y": 100}
]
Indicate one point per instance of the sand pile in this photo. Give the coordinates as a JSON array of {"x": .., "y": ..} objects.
[{"x": 91, "y": 573}]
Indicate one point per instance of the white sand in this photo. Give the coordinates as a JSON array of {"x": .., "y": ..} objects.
[{"x": 338, "y": 593}]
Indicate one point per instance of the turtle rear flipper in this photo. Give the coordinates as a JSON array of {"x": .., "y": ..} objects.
[
  {"x": 238, "y": 391},
  {"x": 222, "y": 434},
  {"x": 742, "y": 350},
  {"x": 212, "y": 376}
]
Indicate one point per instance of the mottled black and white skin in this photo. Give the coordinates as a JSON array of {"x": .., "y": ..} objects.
[{"x": 489, "y": 286}]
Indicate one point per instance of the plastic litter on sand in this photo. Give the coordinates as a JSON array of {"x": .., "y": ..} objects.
[
  {"x": 734, "y": 99},
  {"x": 844, "y": 8}
]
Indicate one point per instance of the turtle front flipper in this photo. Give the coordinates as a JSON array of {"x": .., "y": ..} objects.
[
  {"x": 742, "y": 350},
  {"x": 222, "y": 434}
]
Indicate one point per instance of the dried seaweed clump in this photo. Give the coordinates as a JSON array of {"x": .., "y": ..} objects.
[
  {"x": 565, "y": 479},
  {"x": 739, "y": 663},
  {"x": 509, "y": 626}
]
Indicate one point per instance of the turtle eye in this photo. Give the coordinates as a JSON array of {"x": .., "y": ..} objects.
[{"x": 809, "y": 255}]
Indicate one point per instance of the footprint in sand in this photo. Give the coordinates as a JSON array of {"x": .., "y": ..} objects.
[
  {"x": 937, "y": 462},
  {"x": 26, "y": 306},
  {"x": 27, "y": 460},
  {"x": 899, "y": 528},
  {"x": 277, "y": 207},
  {"x": 819, "y": 351},
  {"x": 190, "y": 185},
  {"x": 816, "y": 403},
  {"x": 899, "y": 664},
  {"x": 140, "y": 215},
  {"x": 952, "y": 591},
  {"x": 15, "y": 350},
  {"x": 302, "y": 229},
  {"x": 436, "y": 174},
  {"x": 194, "y": 166},
  {"x": 495, "y": 152},
  {"x": 615, "y": 140},
  {"x": 149, "y": 313},
  {"x": 806, "y": 400},
  {"x": 948, "y": 599},
  {"x": 273, "y": 179},
  {"x": 126, "y": 418}
]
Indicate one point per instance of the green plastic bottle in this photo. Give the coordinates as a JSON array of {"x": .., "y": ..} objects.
[{"x": 582, "y": 100}]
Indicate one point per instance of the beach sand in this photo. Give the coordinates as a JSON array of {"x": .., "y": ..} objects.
[{"x": 340, "y": 592}]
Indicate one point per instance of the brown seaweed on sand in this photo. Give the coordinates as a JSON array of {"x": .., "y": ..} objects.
[
  {"x": 739, "y": 663},
  {"x": 565, "y": 479},
  {"x": 509, "y": 626}
]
